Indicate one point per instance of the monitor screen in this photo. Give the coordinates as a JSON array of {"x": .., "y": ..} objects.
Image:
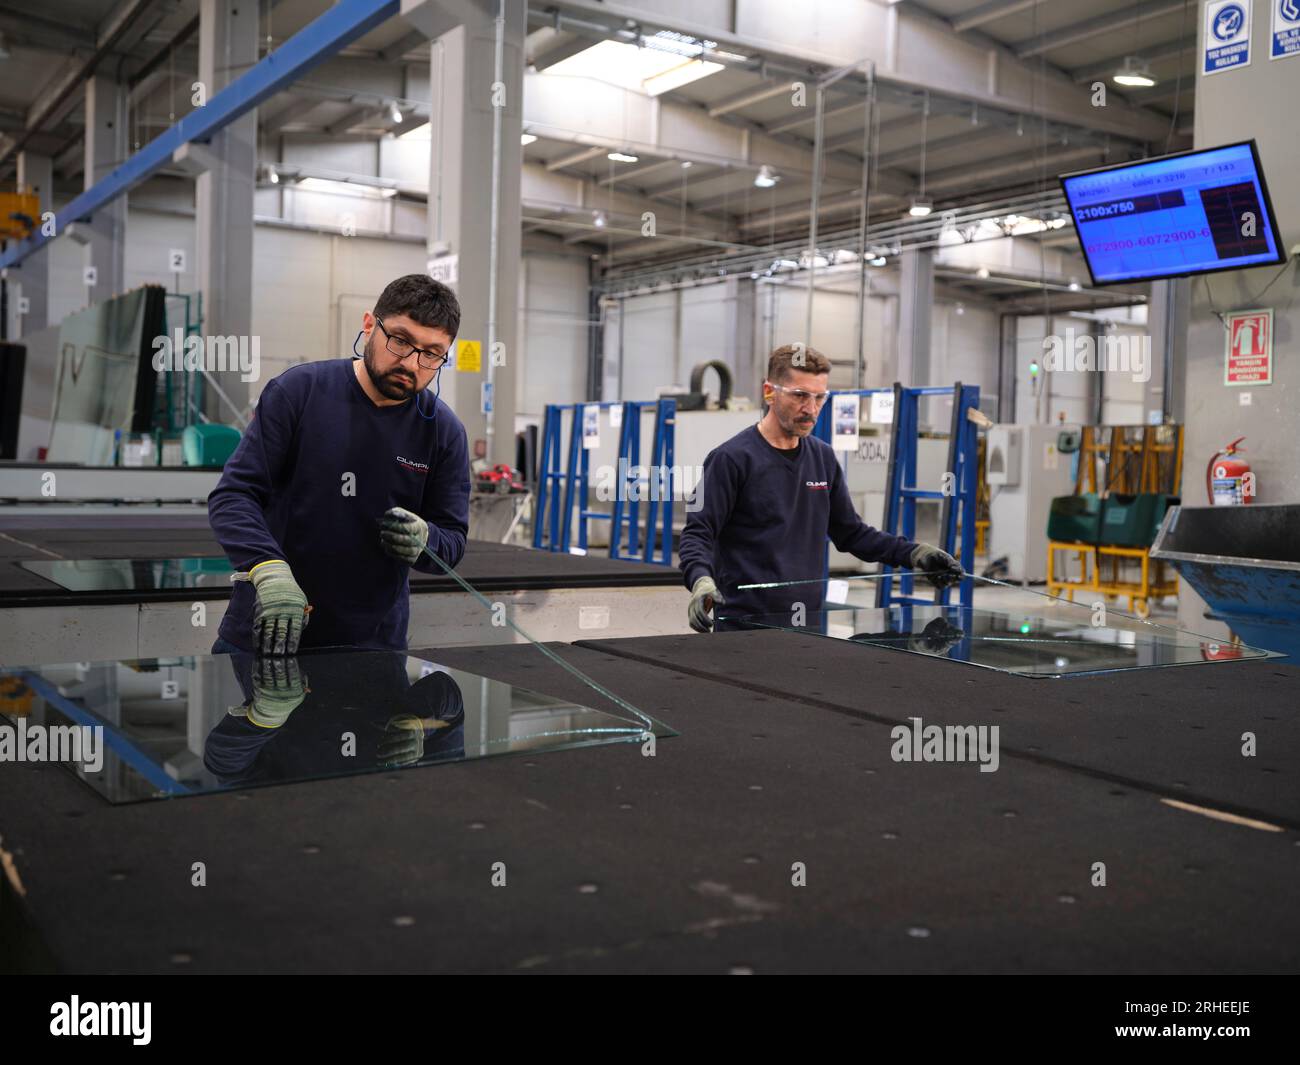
[{"x": 1190, "y": 213}]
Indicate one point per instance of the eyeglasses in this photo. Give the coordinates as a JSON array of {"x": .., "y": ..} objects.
[
  {"x": 402, "y": 349},
  {"x": 799, "y": 395}
]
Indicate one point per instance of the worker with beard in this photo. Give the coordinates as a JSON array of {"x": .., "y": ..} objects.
[
  {"x": 769, "y": 497},
  {"x": 349, "y": 468}
]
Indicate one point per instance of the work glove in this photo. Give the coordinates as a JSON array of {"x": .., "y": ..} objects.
[
  {"x": 279, "y": 687},
  {"x": 403, "y": 741},
  {"x": 704, "y": 597},
  {"x": 938, "y": 637},
  {"x": 939, "y": 567},
  {"x": 282, "y": 610},
  {"x": 403, "y": 535}
]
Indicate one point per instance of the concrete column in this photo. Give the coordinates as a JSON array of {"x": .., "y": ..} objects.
[
  {"x": 741, "y": 293},
  {"x": 32, "y": 275},
  {"x": 1254, "y": 101},
  {"x": 224, "y": 192},
  {"x": 1167, "y": 324},
  {"x": 460, "y": 183},
  {"x": 105, "y": 235},
  {"x": 915, "y": 310}
]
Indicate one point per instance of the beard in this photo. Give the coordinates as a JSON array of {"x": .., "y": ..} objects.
[
  {"x": 397, "y": 383},
  {"x": 800, "y": 425}
]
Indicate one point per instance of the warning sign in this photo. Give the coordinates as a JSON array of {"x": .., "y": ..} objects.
[
  {"x": 1227, "y": 36},
  {"x": 1284, "y": 35},
  {"x": 469, "y": 356},
  {"x": 1249, "y": 357}
]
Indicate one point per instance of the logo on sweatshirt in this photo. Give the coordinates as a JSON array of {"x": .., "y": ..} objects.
[
  {"x": 815, "y": 484},
  {"x": 411, "y": 464}
]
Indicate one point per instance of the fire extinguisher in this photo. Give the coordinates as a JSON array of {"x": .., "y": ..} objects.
[{"x": 1228, "y": 481}]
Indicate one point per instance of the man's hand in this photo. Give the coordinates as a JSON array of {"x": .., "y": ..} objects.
[
  {"x": 403, "y": 535},
  {"x": 279, "y": 687},
  {"x": 939, "y": 567},
  {"x": 704, "y": 597},
  {"x": 281, "y": 612},
  {"x": 403, "y": 741}
]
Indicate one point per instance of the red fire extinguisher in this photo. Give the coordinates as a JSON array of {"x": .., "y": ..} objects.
[{"x": 1228, "y": 480}]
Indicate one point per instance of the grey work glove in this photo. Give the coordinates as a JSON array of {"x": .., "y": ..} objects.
[
  {"x": 403, "y": 535},
  {"x": 939, "y": 567},
  {"x": 403, "y": 742},
  {"x": 704, "y": 597},
  {"x": 937, "y": 638},
  {"x": 281, "y": 612},
  {"x": 279, "y": 687}
]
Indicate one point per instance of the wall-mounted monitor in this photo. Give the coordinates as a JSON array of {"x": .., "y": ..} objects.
[{"x": 1194, "y": 212}]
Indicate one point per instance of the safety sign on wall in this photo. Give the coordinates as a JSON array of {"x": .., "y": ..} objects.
[
  {"x": 1284, "y": 30},
  {"x": 1227, "y": 35},
  {"x": 845, "y": 415},
  {"x": 1249, "y": 356},
  {"x": 469, "y": 356}
]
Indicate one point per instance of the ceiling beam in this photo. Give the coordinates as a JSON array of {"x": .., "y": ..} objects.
[
  {"x": 1155, "y": 53},
  {"x": 575, "y": 158},
  {"x": 989, "y": 12},
  {"x": 292, "y": 111},
  {"x": 750, "y": 96},
  {"x": 112, "y": 30},
  {"x": 566, "y": 50},
  {"x": 406, "y": 43},
  {"x": 630, "y": 177},
  {"x": 1095, "y": 27},
  {"x": 352, "y": 117}
]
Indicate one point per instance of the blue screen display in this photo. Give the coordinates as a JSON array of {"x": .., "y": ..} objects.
[{"x": 1183, "y": 214}]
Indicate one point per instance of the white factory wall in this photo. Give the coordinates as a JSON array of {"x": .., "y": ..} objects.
[
  {"x": 665, "y": 334},
  {"x": 553, "y": 333},
  {"x": 310, "y": 290}
]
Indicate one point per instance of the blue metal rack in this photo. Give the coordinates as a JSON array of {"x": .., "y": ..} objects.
[
  {"x": 559, "y": 488},
  {"x": 902, "y": 493}
]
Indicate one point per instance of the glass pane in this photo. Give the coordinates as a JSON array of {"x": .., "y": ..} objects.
[
  {"x": 134, "y": 574},
  {"x": 186, "y": 726},
  {"x": 1031, "y": 634}
]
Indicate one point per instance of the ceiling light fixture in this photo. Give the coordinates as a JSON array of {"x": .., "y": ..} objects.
[
  {"x": 765, "y": 179},
  {"x": 621, "y": 157},
  {"x": 395, "y": 113},
  {"x": 1134, "y": 74},
  {"x": 920, "y": 208}
]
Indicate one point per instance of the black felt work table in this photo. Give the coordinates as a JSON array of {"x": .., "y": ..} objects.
[
  {"x": 682, "y": 862},
  {"x": 488, "y": 566}
]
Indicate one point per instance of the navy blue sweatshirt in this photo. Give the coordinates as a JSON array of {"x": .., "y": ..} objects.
[
  {"x": 286, "y": 493},
  {"x": 765, "y": 516}
]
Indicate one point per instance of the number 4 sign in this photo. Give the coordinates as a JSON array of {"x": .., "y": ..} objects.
[{"x": 1249, "y": 348}]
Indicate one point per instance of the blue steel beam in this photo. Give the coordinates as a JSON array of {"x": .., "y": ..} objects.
[{"x": 313, "y": 44}]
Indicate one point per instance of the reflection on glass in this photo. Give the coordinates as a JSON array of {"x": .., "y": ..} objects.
[
  {"x": 134, "y": 574},
  {"x": 1055, "y": 639},
  {"x": 216, "y": 722}
]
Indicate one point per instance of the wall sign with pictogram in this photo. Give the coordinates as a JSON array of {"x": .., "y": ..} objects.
[{"x": 1248, "y": 356}]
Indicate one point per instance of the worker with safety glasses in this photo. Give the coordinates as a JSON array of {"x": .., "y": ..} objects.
[
  {"x": 768, "y": 499},
  {"x": 347, "y": 470}
]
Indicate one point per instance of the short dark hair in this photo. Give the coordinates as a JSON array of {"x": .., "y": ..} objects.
[
  {"x": 795, "y": 357},
  {"x": 423, "y": 300}
]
